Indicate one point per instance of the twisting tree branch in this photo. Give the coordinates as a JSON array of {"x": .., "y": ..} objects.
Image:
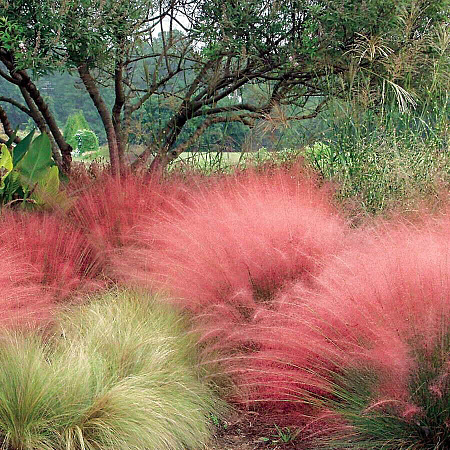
[
  {"x": 18, "y": 105},
  {"x": 7, "y": 126}
]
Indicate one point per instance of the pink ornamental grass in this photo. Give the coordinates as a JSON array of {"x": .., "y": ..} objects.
[
  {"x": 369, "y": 341},
  {"x": 59, "y": 259},
  {"x": 108, "y": 208},
  {"x": 23, "y": 302},
  {"x": 233, "y": 245}
]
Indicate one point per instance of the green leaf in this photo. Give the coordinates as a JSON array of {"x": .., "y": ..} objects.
[
  {"x": 36, "y": 161},
  {"x": 6, "y": 165},
  {"x": 50, "y": 182},
  {"x": 48, "y": 186},
  {"x": 13, "y": 183},
  {"x": 21, "y": 148}
]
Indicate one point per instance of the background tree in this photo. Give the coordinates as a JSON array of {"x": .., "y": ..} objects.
[
  {"x": 26, "y": 41},
  {"x": 297, "y": 53}
]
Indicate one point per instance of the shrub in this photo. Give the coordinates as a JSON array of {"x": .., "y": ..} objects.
[
  {"x": 390, "y": 160},
  {"x": 368, "y": 346},
  {"x": 74, "y": 123},
  {"x": 149, "y": 394},
  {"x": 108, "y": 208},
  {"x": 132, "y": 382},
  {"x": 144, "y": 334}
]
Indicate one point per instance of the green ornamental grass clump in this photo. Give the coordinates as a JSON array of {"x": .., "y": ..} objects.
[
  {"x": 419, "y": 421},
  {"x": 119, "y": 373},
  {"x": 29, "y": 404}
]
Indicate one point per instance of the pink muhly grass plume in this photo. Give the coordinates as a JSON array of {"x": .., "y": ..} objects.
[
  {"x": 108, "y": 209},
  {"x": 22, "y": 301},
  {"x": 372, "y": 334},
  {"x": 58, "y": 256},
  {"x": 233, "y": 246},
  {"x": 239, "y": 239}
]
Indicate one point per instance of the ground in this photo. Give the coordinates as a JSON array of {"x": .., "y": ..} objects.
[{"x": 244, "y": 431}]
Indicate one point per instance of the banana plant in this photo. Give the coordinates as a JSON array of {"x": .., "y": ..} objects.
[{"x": 28, "y": 173}]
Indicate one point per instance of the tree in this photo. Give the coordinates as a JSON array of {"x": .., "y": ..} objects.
[
  {"x": 298, "y": 53},
  {"x": 16, "y": 57},
  {"x": 75, "y": 122}
]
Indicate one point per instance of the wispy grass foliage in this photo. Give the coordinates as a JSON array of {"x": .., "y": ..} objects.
[
  {"x": 385, "y": 161},
  {"x": 230, "y": 249},
  {"x": 57, "y": 256},
  {"x": 23, "y": 302},
  {"x": 106, "y": 209},
  {"x": 29, "y": 406},
  {"x": 141, "y": 353},
  {"x": 119, "y": 373},
  {"x": 367, "y": 349}
]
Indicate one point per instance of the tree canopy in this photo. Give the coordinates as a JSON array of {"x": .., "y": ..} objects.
[{"x": 197, "y": 56}]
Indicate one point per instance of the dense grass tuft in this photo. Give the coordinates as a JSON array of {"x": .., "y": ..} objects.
[
  {"x": 119, "y": 373},
  {"x": 58, "y": 256},
  {"x": 29, "y": 405},
  {"x": 106, "y": 209},
  {"x": 143, "y": 388},
  {"x": 231, "y": 248},
  {"x": 23, "y": 302},
  {"x": 368, "y": 346}
]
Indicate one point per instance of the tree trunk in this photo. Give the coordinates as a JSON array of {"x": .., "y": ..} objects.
[
  {"x": 40, "y": 112},
  {"x": 159, "y": 163},
  {"x": 42, "y": 126},
  {"x": 7, "y": 126},
  {"x": 102, "y": 109},
  {"x": 117, "y": 109},
  {"x": 65, "y": 148}
]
